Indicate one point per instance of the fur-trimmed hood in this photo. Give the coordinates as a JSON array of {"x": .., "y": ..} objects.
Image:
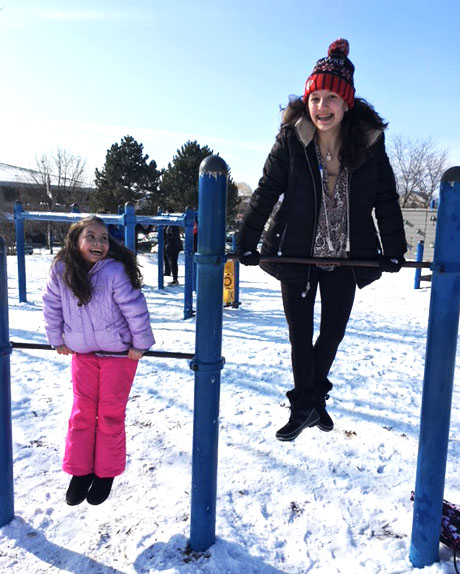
[{"x": 305, "y": 130}]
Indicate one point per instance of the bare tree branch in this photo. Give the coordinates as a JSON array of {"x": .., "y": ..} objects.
[
  {"x": 61, "y": 177},
  {"x": 418, "y": 165}
]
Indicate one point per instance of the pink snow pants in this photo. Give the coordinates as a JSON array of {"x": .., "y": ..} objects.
[{"x": 96, "y": 439}]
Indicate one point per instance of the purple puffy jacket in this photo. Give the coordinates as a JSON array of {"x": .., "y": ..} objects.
[{"x": 115, "y": 319}]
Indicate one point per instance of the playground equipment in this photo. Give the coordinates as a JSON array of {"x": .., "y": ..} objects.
[
  {"x": 162, "y": 354},
  {"x": 418, "y": 272},
  {"x": 128, "y": 219},
  {"x": 229, "y": 283},
  {"x": 6, "y": 437},
  {"x": 208, "y": 361},
  {"x": 207, "y": 364},
  {"x": 232, "y": 279},
  {"x": 419, "y": 257},
  {"x": 439, "y": 376}
]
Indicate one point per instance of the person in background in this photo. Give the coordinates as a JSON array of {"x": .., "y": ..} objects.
[
  {"x": 173, "y": 246},
  {"x": 94, "y": 310},
  {"x": 327, "y": 173}
]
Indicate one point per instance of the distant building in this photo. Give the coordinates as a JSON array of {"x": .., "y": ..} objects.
[
  {"x": 22, "y": 184},
  {"x": 27, "y": 186},
  {"x": 12, "y": 180}
]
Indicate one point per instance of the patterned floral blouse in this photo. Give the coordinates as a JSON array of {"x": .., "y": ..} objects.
[{"x": 332, "y": 229}]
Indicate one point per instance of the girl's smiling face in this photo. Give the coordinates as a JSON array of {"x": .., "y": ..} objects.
[
  {"x": 93, "y": 243},
  {"x": 326, "y": 110}
]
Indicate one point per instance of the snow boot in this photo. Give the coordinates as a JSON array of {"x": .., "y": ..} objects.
[
  {"x": 300, "y": 419},
  {"x": 325, "y": 423},
  {"x": 78, "y": 489},
  {"x": 99, "y": 491}
]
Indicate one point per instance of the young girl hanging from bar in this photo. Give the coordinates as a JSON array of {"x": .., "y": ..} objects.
[
  {"x": 93, "y": 302},
  {"x": 327, "y": 173}
]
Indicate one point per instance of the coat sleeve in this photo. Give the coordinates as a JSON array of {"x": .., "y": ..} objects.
[
  {"x": 52, "y": 308},
  {"x": 133, "y": 306},
  {"x": 387, "y": 209},
  {"x": 272, "y": 185}
]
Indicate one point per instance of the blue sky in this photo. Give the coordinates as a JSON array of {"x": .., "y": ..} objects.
[{"x": 82, "y": 74}]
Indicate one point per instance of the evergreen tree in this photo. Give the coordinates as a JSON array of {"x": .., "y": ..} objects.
[
  {"x": 233, "y": 201},
  {"x": 179, "y": 184},
  {"x": 126, "y": 176}
]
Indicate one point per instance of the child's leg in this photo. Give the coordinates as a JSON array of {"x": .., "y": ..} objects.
[
  {"x": 79, "y": 448},
  {"x": 117, "y": 374}
]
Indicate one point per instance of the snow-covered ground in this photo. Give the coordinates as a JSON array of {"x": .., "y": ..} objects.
[{"x": 326, "y": 503}]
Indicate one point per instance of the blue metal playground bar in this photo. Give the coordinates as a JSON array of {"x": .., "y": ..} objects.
[
  {"x": 6, "y": 439},
  {"x": 439, "y": 376},
  {"x": 186, "y": 220},
  {"x": 128, "y": 219},
  {"x": 208, "y": 362},
  {"x": 418, "y": 257}
]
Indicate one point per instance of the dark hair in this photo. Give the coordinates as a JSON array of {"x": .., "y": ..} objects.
[
  {"x": 356, "y": 124},
  {"x": 76, "y": 269}
]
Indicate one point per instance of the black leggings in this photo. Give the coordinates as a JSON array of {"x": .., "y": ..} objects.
[
  {"x": 311, "y": 363},
  {"x": 172, "y": 256}
]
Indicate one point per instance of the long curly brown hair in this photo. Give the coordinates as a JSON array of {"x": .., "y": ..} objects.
[
  {"x": 76, "y": 269},
  {"x": 356, "y": 124}
]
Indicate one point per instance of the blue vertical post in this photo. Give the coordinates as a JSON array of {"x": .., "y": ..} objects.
[
  {"x": 195, "y": 239},
  {"x": 418, "y": 257},
  {"x": 208, "y": 362},
  {"x": 20, "y": 255},
  {"x": 189, "y": 217},
  {"x": 130, "y": 226},
  {"x": 439, "y": 376},
  {"x": 121, "y": 228},
  {"x": 6, "y": 440}
]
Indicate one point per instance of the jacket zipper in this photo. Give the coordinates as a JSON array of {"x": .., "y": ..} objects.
[
  {"x": 315, "y": 224},
  {"x": 348, "y": 225},
  {"x": 283, "y": 235},
  {"x": 348, "y": 248}
]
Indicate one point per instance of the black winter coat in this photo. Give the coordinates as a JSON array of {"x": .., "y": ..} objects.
[
  {"x": 291, "y": 180},
  {"x": 173, "y": 242}
]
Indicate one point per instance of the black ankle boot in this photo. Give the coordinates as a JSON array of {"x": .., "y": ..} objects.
[
  {"x": 100, "y": 490},
  {"x": 78, "y": 489},
  {"x": 298, "y": 421},
  {"x": 325, "y": 422}
]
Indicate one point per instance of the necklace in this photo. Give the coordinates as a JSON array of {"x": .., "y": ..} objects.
[{"x": 328, "y": 154}]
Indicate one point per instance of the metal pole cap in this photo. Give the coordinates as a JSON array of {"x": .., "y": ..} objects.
[
  {"x": 213, "y": 165},
  {"x": 452, "y": 174}
]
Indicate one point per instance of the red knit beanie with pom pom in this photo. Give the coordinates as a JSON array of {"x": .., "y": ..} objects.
[{"x": 333, "y": 73}]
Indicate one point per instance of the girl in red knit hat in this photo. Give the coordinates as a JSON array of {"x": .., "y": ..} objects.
[{"x": 327, "y": 173}]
